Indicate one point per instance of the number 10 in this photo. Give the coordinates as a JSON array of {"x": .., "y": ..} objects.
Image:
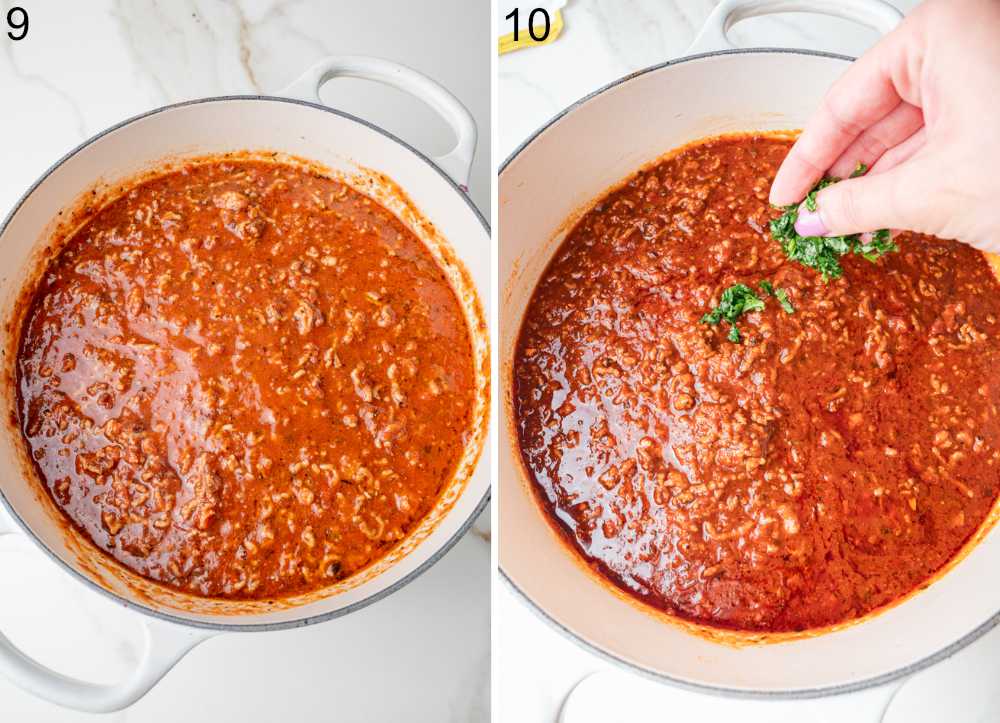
[{"x": 545, "y": 27}]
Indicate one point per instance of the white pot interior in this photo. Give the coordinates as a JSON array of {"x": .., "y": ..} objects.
[
  {"x": 567, "y": 166},
  {"x": 348, "y": 148}
]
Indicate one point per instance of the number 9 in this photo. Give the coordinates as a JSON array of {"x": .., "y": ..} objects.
[{"x": 20, "y": 23}]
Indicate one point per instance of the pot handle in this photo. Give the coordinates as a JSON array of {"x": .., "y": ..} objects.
[
  {"x": 164, "y": 645},
  {"x": 7, "y": 527},
  {"x": 876, "y": 14},
  {"x": 587, "y": 696},
  {"x": 458, "y": 162}
]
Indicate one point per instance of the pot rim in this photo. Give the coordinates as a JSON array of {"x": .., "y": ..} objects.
[
  {"x": 250, "y": 627},
  {"x": 804, "y": 693}
]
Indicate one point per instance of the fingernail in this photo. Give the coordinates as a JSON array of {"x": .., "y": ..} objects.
[{"x": 809, "y": 223}]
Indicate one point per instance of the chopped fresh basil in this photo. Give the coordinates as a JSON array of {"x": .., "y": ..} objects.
[
  {"x": 811, "y": 196},
  {"x": 880, "y": 244},
  {"x": 737, "y": 300},
  {"x": 823, "y": 252},
  {"x": 782, "y": 296}
]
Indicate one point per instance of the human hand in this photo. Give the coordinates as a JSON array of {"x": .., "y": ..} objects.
[{"x": 922, "y": 110}]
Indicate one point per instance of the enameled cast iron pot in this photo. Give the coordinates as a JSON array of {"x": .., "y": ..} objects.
[
  {"x": 298, "y": 124},
  {"x": 569, "y": 163}
]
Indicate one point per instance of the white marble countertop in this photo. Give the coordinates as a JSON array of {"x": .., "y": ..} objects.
[
  {"x": 536, "y": 667},
  {"x": 423, "y": 654}
]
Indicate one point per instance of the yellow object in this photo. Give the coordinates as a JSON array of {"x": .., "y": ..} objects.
[{"x": 508, "y": 44}]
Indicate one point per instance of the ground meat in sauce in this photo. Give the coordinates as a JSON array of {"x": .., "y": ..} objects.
[
  {"x": 829, "y": 464},
  {"x": 243, "y": 379}
]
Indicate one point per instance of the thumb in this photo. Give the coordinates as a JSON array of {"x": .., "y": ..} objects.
[{"x": 897, "y": 198}]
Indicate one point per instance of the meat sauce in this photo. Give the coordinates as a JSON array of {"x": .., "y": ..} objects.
[
  {"x": 829, "y": 464},
  {"x": 243, "y": 379}
]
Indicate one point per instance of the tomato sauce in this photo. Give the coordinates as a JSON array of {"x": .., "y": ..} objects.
[
  {"x": 243, "y": 379},
  {"x": 824, "y": 467}
]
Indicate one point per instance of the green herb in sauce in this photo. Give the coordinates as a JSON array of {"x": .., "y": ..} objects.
[
  {"x": 823, "y": 252},
  {"x": 737, "y": 300},
  {"x": 780, "y": 294}
]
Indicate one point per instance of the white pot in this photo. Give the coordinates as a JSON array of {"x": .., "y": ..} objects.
[
  {"x": 568, "y": 164},
  {"x": 298, "y": 125}
]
